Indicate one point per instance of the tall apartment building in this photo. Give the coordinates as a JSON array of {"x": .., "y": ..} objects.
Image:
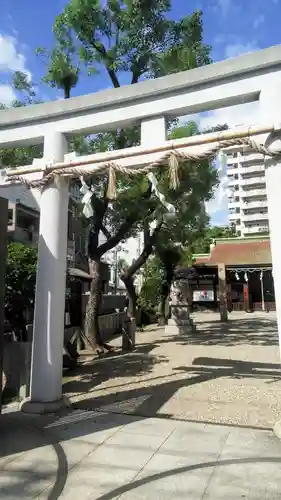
[{"x": 247, "y": 200}]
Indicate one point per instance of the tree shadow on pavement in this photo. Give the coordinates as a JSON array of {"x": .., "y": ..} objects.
[
  {"x": 251, "y": 331},
  {"x": 148, "y": 401},
  {"x": 92, "y": 373},
  {"x": 110, "y": 412}
]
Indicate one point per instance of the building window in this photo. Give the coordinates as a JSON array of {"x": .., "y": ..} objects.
[{"x": 10, "y": 217}]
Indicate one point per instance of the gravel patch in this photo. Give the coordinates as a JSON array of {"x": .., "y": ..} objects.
[{"x": 222, "y": 373}]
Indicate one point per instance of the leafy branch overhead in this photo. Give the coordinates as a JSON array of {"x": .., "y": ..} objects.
[
  {"x": 62, "y": 72},
  {"x": 128, "y": 41},
  {"x": 131, "y": 36}
]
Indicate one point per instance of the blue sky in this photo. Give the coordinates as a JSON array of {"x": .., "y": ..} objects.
[{"x": 231, "y": 28}]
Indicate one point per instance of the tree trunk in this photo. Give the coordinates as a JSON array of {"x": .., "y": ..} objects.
[
  {"x": 128, "y": 280},
  {"x": 164, "y": 297},
  {"x": 162, "y": 311},
  {"x": 93, "y": 308},
  {"x": 66, "y": 91},
  {"x": 129, "y": 337}
]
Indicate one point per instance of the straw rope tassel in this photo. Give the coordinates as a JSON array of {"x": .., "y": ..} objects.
[
  {"x": 111, "y": 188},
  {"x": 173, "y": 171}
]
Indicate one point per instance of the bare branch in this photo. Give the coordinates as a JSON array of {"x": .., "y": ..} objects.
[
  {"x": 105, "y": 231},
  {"x": 99, "y": 47},
  {"x": 123, "y": 230},
  {"x": 146, "y": 232},
  {"x": 135, "y": 77},
  {"x": 147, "y": 250}
]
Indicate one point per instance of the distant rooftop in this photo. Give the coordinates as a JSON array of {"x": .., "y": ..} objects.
[{"x": 237, "y": 251}]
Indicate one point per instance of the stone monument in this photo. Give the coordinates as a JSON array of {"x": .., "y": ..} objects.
[{"x": 181, "y": 298}]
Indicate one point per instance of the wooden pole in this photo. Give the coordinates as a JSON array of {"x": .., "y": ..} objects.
[
  {"x": 262, "y": 292},
  {"x": 222, "y": 292},
  {"x": 177, "y": 144}
]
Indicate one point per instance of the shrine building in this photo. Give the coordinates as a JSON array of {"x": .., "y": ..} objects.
[{"x": 236, "y": 275}]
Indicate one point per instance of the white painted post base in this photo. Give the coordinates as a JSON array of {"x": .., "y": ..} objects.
[
  {"x": 37, "y": 408},
  {"x": 47, "y": 349}
]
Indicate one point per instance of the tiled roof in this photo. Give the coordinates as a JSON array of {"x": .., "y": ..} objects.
[{"x": 238, "y": 252}]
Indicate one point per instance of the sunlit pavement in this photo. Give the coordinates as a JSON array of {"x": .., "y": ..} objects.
[{"x": 105, "y": 456}]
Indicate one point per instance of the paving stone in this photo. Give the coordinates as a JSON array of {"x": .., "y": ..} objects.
[
  {"x": 250, "y": 443},
  {"x": 128, "y": 458},
  {"x": 125, "y": 440},
  {"x": 76, "y": 450},
  {"x": 152, "y": 426},
  {"x": 189, "y": 485},
  {"x": 92, "y": 427},
  {"x": 27, "y": 482},
  {"x": 204, "y": 440},
  {"x": 260, "y": 481}
]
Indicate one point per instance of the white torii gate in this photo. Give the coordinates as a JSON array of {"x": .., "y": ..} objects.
[{"x": 253, "y": 77}]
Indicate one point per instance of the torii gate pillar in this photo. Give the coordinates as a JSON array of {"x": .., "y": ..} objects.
[
  {"x": 47, "y": 348},
  {"x": 270, "y": 110}
]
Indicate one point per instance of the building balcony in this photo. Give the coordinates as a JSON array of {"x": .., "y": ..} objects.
[
  {"x": 254, "y": 217},
  {"x": 256, "y": 229},
  {"x": 232, "y": 171},
  {"x": 233, "y": 204},
  {"x": 251, "y": 157},
  {"x": 253, "y": 204},
  {"x": 233, "y": 183},
  {"x": 244, "y": 158},
  {"x": 252, "y": 193},
  {"x": 251, "y": 169},
  {"x": 252, "y": 181},
  {"x": 234, "y": 216}
]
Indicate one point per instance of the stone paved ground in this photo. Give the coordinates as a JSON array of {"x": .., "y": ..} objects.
[
  {"x": 221, "y": 373},
  {"x": 86, "y": 455}
]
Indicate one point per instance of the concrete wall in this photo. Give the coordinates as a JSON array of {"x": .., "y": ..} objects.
[
  {"x": 16, "y": 368},
  {"x": 17, "y": 357},
  {"x": 109, "y": 303}
]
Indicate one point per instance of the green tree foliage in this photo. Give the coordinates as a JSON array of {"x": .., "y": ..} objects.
[
  {"x": 210, "y": 233},
  {"x": 24, "y": 85},
  {"x": 150, "y": 293},
  {"x": 14, "y": 157},
  {"x": 136, "y": 38},
  {"x": 132, "y": 36},
  {"x": 197, "y": 181},
  {"x": 62, "y": 71},
  {"x": 21, "y": 272}
]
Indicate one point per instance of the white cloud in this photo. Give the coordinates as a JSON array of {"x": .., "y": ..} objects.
[
  {"x": 7, "y": 94},
  {"x": 244, "y": 114},
  {"x": 238, "y": 49},
  {"x": 10, "y": 58},
  {"x": 259, "y": 21},
  {"x": 224, "y": 6}
]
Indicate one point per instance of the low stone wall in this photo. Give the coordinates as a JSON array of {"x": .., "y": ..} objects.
[
  {"x": 17, "y": 356},
  {"x": 111, "y": 324},
  {"x": 16, "y": 370},
  {"x": 109, "y": 304}
]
